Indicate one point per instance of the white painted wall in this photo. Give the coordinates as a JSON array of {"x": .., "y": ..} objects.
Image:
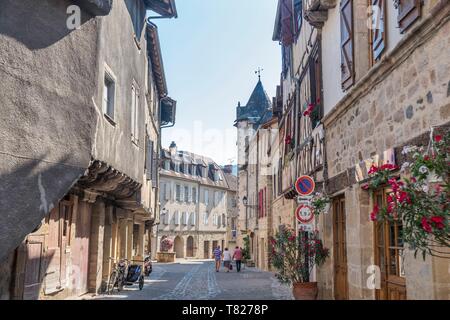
[{"x": 331, "y": 58}]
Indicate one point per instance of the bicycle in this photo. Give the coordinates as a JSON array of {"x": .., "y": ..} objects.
[{"x": 118, "y": 276}]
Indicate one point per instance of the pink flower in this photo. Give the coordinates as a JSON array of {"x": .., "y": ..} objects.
[
  {"x": 404, "y": 197},
  {"x": 373, "y": 170},
  {"x": 291, "y": 238},
  {"x": 388, "y": 166},
  {"x": 365, "y": 186},
  {"x": 438, "y": 138},
  {"x": 374, "y": 213}
]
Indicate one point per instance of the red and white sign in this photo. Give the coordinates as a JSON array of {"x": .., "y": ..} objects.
[
  {"x": 305, "y": 185},
  {"x": 304, "y": 213}
]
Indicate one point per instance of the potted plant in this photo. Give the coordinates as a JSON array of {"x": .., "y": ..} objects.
[{"x": 294, "y": 257}]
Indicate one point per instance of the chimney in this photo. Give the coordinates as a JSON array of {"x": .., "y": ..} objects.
[
  {"x": 173, "y": 148},
  {"x": 228, "y": 169}
]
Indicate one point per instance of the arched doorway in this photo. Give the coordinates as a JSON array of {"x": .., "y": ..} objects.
[
  {"x": 179, "y": 247},
  {"x": 190, "y": 246}
]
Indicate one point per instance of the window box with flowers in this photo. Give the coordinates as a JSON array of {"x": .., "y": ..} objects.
[{"x": 420, "y": 199}]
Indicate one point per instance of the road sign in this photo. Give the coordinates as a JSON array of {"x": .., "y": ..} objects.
[
  {"x": 305, "y": 227},
  {"x": 305, "y": 185},
  {"x": 304, "y": 213}
]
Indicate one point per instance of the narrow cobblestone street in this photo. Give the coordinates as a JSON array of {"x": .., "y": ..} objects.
[{"x": 197, "y": 280}]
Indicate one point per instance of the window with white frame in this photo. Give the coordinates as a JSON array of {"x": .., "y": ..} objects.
[
  {"x": 205, "y": 218},
  {"x": 176, "y": 218},
  {"x": 178, "y": 193},
  {"x": 167, "y": 187},
  {"x": 167, "y": 165},
  {"x": 206, "y": 197},
  {"x": 194, "y": 194},
  {"x": 193, "y": 218},
  {"x": 186, "y": 194},
  {"x": 109, "y": 95},
  {"x": 134, "y": 113}
]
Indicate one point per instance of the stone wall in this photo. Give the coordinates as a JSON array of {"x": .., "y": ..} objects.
[{"x": 413, "y": 97}]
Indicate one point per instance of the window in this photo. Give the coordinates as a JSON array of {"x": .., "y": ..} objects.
[
  {"x": 194, "y": 194},
  {"x": 347, "y": 54},
  {"x": 166, "y": 165},
  {"x": 377, "y": 35},
  {"x": 206, "y": 197},
  {"x": 178, "y": 192},
  {"x": 223, "y": 221},
  {"x": 177, "y": 167},
  {"x": 216, "y": 175},
  {"x": 193, "y": 219},
  {"x": 137, "y": 17},
  {"x": 167, "y": 187},
  {"x": 150, "y": 161},
  {"x": 176, "y": 218},
  {"x": 184, "y": 218},
  {"x": 286, "y": 60},
  {"x": 109, "y": 92},
  {"x": 205, "y": 218},
  {"x": 167, "y": 218},
  {"x": 134, "y": 113},
  {"x": 298, "y": 17},
  {"x": 186, "y": 194}
]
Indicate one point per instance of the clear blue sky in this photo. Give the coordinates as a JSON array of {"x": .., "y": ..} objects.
[{"x": 210, "y": 54}]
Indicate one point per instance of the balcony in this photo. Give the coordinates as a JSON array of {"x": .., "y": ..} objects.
[{"x": 316, "y": 11}]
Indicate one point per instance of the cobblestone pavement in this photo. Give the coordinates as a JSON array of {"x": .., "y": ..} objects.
[{"x": 197, "y": 280}]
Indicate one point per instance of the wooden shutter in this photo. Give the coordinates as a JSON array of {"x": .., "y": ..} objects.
[
  {"x": 408, "y": 12},
  {"x": 378, "y": 28},
  {"x": 347, "y": 65}
]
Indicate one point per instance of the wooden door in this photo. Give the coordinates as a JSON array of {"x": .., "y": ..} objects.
[
  {"x": 389, "y": 255},
  {"x": 340, "y": 250},
  {"x": 80, "y": 257},
  {"x": 206, "y": 253},
  {"x": 190, "y": 247},
  {"x": 33, "y": 268}
]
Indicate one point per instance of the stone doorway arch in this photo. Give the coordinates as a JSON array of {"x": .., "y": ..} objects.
[{"x": 179, "y": 247}]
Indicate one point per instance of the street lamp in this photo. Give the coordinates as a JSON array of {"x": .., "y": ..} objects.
[{"x": 245, "y": 202}]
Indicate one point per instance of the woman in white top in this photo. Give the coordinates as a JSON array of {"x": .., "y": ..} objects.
[{"x": 226, "y": 259}]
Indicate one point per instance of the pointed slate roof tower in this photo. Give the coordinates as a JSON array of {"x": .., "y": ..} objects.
[{"x": 258, "y": 109}]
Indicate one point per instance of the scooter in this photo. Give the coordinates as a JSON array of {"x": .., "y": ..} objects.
[{"x": 148, "y": 268}]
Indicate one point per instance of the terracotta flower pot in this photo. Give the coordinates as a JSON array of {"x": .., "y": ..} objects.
[{"x": 305, "y": 290}]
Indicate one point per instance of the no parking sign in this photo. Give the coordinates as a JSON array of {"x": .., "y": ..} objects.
[{"x": 305, "y": 185}]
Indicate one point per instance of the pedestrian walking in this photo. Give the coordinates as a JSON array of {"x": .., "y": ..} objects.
[
  {"x": 227, "y": 259},
  {"x": 217, "y": 257},
  {"x": 237, "y": 256}
]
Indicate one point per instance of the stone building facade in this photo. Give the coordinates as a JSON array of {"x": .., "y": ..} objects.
[
  {"x": 399, "y": 89},
  {"x": 86, "y": 158},
  {"x": 251, "y": 186},
  {"x": 360, "y": 80},
  {"x": 194, "y": 203}
]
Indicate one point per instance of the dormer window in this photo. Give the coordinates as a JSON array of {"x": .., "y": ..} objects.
[
  {"x": 167, "y": 165},
  {"x": 177, "y": 167},
  {"x": 186, "y": 168},
  {"x": 216, "y": 175}
]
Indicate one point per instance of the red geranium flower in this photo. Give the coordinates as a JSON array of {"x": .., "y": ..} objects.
[
  {"x": 403, "y": 197},
  {"x": 438, "y": 222},
  {"x": 373, "y": 169},
  {"x": 374, "y": 213},
  {"x": 438, "y": 138},
  {"x": 425, "y": 225}
]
